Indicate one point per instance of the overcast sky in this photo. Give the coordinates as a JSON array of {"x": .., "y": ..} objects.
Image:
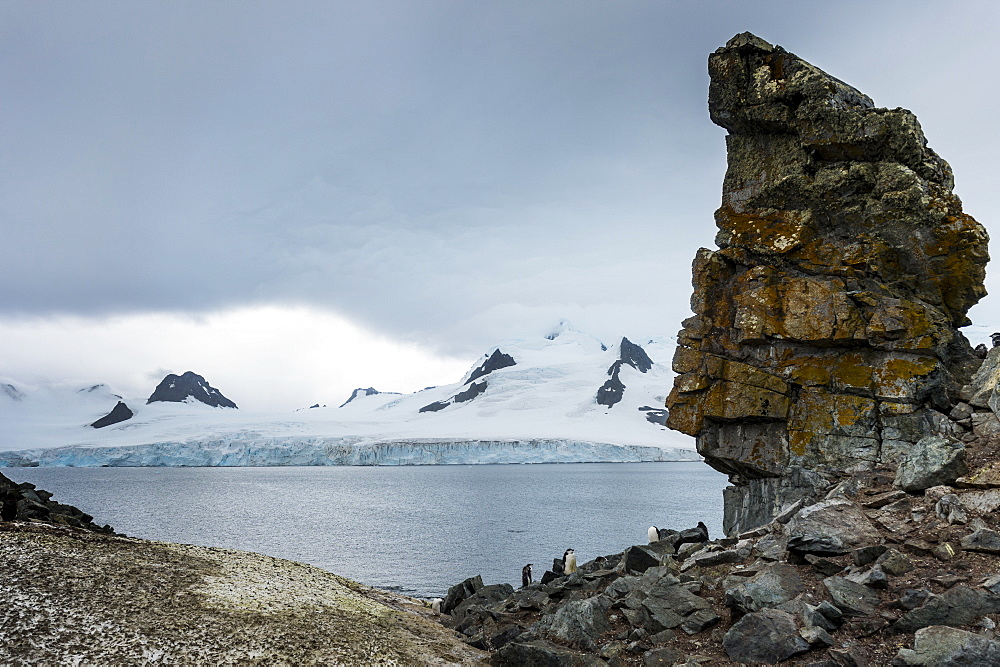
[{"x": 295, "y": 198}]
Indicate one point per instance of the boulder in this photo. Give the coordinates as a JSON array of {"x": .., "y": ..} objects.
[
  {"x": 942, "y": 645},
  {"x": 640, "y": 558},
  {"x": 831, "y": 527},
  {"x": 814, "y": 343},
  {"x": 985, "y": 540},
  {"x": 851, "y": 598},
  {"x": 767, "y": 636},
  {"x": 577, "y": 623},
  {"x": 958, "y": 606},
  {"x": 933, "y": 460},
  {"x": 461, "y": 591},
  {"x": 770, "y": 587}
]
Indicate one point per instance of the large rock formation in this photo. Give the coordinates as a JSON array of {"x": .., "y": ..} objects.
[{"x": 825, "y": 330}]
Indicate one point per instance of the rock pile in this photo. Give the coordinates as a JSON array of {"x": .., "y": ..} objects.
[
  {"x": 825, "y": 330},
  {"x": 25, "y": 502},
  {"x": 868, "y": 575}
]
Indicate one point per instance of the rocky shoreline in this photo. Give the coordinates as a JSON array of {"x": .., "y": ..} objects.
[{"x": 868, "y": 575}]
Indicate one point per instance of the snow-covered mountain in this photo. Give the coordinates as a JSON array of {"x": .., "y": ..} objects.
[{"x": 563, "y": 398}]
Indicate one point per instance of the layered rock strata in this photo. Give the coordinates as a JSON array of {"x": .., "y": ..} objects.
[{"x": 825, "y": 330}]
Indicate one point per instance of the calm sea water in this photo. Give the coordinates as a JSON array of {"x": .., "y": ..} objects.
[{"x": 415, "y": 529}]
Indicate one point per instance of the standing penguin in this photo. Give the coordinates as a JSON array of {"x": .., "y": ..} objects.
[
  {"x": 569, "y": 561},
  {"x": 653, "y": 534},
  {"x": 525, "y": 575}
]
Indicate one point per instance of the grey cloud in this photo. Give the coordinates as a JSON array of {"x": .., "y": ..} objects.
[{"x": 426, "y": 168}]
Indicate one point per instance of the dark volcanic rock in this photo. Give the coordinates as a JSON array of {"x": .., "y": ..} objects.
[
  {"x": 474, "y": 390},
  {"x": 461, "y": 591},
  {"x": 634, "y": 356},
  {"x": 957, "y": 606},
  {"x": 496, "y": 361},
  {"x": 434, "y": 407},
  {"x": 119, "y": 413},
  {"x": 845, "y": 267},
  {"x": 768, "y": 636},
  {"x": 612, "y": 391},
  {"x": 24, "y": 502},
  {"x": 768, "y": 588},
  {"x": 176, "y": 388}
]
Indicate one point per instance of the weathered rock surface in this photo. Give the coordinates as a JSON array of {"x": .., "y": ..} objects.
[
  {"x": 768, "y": 636},
  {"x": 933, "y": 460},
  {"x": 825, "y": 328},
  {"x": 941, "y": 645},
  {"x": 178, "y": 388},
  {"x": 830, "y": 527}
]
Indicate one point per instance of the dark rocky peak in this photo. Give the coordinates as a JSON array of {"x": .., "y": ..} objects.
[
  {"x": 473, "y": 390},
  {"x": 119, "y": 413},
  {"x": 11, "y": 392},
  {"x": 370, "y": 391},
  {"x": 495, "y": 362},
  {"x": 176, "y": 389},
  {"x": 634, "y": 356},
  {"x": 613, "y": 390}
]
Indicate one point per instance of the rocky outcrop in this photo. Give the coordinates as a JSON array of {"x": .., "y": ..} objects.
[
  {"x": 494, "y": 362},
  {"x": 613, "y": 390},
  {"x": 119, "y": 413},
  {"x": 370, "y": 391},
  {"x": 25, "y": 502},
  {"x": 857, "y": 578},
  {"x": 825, "y": 330},
  {"x": 178, "y": 388}
]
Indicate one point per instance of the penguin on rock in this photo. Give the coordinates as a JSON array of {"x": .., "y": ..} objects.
[
  {"x": 653, "y": 534},
  {"x": 569, "y": 561},
  {"x": 525, "y": 575}
]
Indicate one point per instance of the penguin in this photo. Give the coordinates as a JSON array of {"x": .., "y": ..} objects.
[
  {"x": 653, "y": 534},
  {"x": 996, "y": 339},
  {"x": 704, "y": 529},
  {"x": 569, "y": 561},
  {"x": 525, "y": 575},
  {"x": 436, "y": 605}
]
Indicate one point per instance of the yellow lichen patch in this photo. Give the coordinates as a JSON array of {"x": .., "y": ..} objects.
[
  {"x": 819, "y": 413},
  {"x": 851, "y": 370},
  {"x": 903, "y": 377},
  {"x": 769, "y": 231},
  {"x": 735, "y": 400}
]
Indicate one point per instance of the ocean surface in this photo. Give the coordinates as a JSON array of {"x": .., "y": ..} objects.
[{"x": 413, "y": 529}]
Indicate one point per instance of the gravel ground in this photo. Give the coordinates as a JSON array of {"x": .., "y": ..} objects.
[{"x": 74, "y": 597}]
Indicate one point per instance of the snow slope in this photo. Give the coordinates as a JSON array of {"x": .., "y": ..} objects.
[{"x": 541, "y": 409}]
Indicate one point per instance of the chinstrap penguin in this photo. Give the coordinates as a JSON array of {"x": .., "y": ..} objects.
[{"x": 526, "y": 575}]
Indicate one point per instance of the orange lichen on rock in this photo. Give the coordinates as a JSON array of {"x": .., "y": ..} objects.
[{"x": 824, "y": 330}]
